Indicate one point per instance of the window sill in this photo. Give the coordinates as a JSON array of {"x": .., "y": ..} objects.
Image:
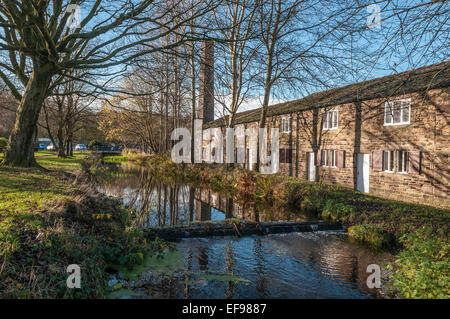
[
  {"x": 397, "y": 124},
  {"x": 330, "y": 129}
]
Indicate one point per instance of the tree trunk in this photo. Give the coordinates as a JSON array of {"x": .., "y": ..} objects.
[
  {"x": 61, "y": 151},
  {"x": 69, "y": 137},
  {"x": 192, "y": 102},
  {"x": 47, "y": 125},
  {"x": 20, "y": 151},
  {"x": 263, "y": 114}
]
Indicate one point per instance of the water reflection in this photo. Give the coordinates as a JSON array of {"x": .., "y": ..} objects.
[
  {"x": 295, "y": 265},
  {"x": 155, "y": 203}
]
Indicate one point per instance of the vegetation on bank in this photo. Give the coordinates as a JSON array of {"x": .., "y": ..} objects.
[
  {"x": 50, "y": 219},
  {"x": 419, "y": 234}
]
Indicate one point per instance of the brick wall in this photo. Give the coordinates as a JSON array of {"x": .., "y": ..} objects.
[
  {"x": 206, "y": 83},
  {"x": 361, "y": 130}
]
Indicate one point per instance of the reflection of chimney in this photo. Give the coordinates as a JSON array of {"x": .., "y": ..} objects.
[
  {"x": 206, "y": 89},
  {"x": 203, "y": 211}
]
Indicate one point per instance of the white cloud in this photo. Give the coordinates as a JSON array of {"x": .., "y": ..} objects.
[
  {"x": 250, "y": 103},
  {"x": 257, "y": 103}
]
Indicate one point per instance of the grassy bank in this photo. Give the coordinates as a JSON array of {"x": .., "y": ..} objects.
[
  {"x": 51, "y": 218},
  {"x": 417, "y": 234}
]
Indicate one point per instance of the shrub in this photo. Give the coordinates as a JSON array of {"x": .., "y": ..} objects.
[
  {"x": 266, "y": 189},
  {"x": 218, "y": 181},
  {"x": 306, "y": 196},
  {"x": 311, "y": 205},
  {"x": 338, "y": 211},
  {"x": 246, "y": 186},
  {"x": 91, "y": 164},
  {"x": 422, "y": 269},
  {"x": 132, "y": 154},
  {"x": 94, "y": 143},
  {"x": 373, "y": 235}
]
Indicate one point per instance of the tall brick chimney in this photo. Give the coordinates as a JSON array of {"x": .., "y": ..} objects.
[{"x": 206, "y": 78}]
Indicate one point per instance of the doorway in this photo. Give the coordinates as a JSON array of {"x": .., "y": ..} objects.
[
  {"x": 311, "y": 167},
  {"x": 362, "y": 179}
]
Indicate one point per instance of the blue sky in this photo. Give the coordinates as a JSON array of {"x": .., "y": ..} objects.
[
  {"x": 383, "y": 62},
  {"x": 382, "y": 56}
]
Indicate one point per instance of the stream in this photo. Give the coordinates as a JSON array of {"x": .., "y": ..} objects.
[{"x": 322, "y": 264}]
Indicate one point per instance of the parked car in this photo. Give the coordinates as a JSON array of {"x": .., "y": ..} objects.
[
  {"x": 81, "y": 147},
  {"x": 42, "y": 143},
  {"x": 51, "y": 147},
  {"x": 41, "y": 146}
]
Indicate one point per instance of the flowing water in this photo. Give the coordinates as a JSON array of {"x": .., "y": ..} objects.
[{"x": 295, "y": 265}]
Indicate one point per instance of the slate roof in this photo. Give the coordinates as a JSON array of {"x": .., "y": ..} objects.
[{"x": 427, "y": 77}]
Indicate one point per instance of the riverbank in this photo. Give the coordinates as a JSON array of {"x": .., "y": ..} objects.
[
  {"x": 417, "y": 234},
  {"x": 51, "y": 218}
]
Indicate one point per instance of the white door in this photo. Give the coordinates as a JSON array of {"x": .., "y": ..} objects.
[
  {"x": 250, "y": 159},
  {"x": 311, "y": 167},
  {"x": 362, "y": 180}
]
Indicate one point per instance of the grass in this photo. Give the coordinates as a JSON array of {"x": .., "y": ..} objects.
[
  {"x": 48, "y": 222},
  {"x": 115, "y": 159},
  {"x": 45, "y": 153},
  {"x": 68, "y": 164}
]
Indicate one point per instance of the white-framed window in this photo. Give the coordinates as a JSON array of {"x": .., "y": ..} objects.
[
  {"x": 388, "y": 161},
  {"x": 395, "y": 160},
  {"x": 332, "y": 158},
  {"x": 402, "y": 161},
  {"x": 323, "y": 158},
  {"x": 286, "y": 124},
  {"x": 330, "y": 120},
  {"x": 397, "y": 112},
  {"x": 328, "y": 158}
]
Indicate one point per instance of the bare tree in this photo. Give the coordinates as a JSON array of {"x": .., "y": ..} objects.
[
  {"x": 8, "y": 108},
  {"x": 236, "y": 54},
  {"x": 410, "y": 34},
  {"x": 304, "y": 44},
  {"x": 43, "y": 48},
  {"x": 63, "y": 113}
]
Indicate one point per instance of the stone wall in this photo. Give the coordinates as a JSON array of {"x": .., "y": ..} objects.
[{"x": 361, "y": 130}]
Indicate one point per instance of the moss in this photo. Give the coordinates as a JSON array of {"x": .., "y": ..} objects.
[{"x": 159, "y": 262}]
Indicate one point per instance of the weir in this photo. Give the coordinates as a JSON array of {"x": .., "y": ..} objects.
[{"x": 237, "y": 228}]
